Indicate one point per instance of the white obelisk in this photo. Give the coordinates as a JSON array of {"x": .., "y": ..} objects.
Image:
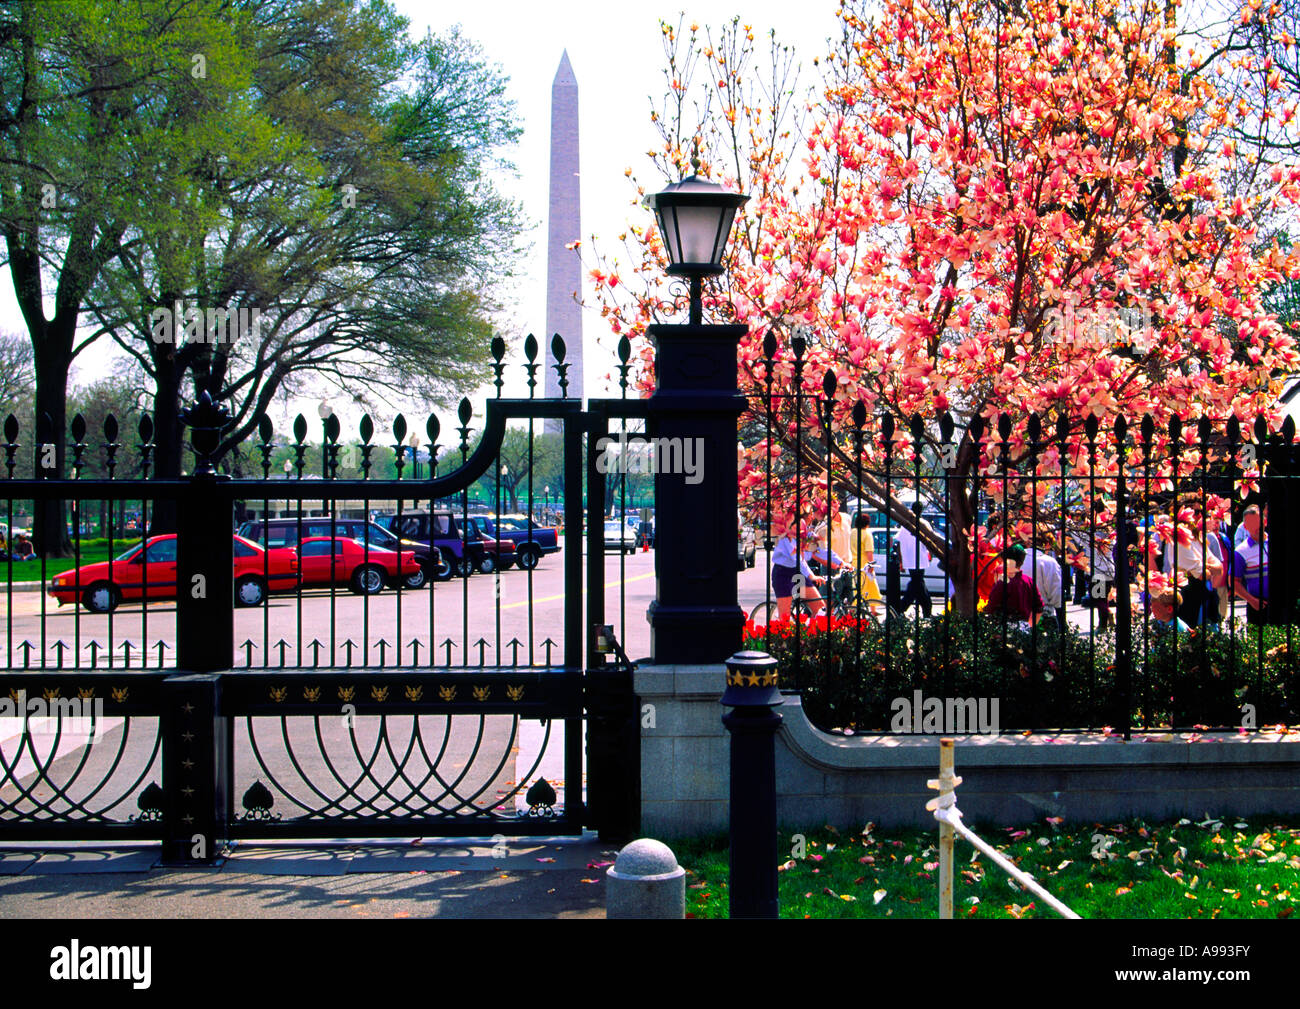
[{"x": 564, "y": 227}]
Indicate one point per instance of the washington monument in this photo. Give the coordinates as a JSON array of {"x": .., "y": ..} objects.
[{"x": 564, "y": 227}]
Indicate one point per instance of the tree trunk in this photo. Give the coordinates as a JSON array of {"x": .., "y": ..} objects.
[
  {"x": 962, "y": 519},
  {"x": 49, "y": 518}
]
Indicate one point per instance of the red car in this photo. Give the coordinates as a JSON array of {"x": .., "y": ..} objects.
[
  {"x": 99, "y": 590},
  {"x": 349, "y": 563}
]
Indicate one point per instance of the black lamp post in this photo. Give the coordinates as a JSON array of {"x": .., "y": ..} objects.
[
  {"x": 695, "y": 218},
  {"x": 695, "y": 617}
]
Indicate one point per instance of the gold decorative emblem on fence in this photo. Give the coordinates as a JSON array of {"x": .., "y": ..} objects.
[
  {"x": 278, "y": 694},
  {"x": 346, "y": 693},
  {"x": 119, "y": 694},
  {"x": 86, "y": 693},
  {"x": 311, "y": 693},
  {"x": 481, "y": 693},
  {"x": 414, "y": 693},
  {"x": 51, "y": 693},
  {"x": 447, "y": 693},
  {"x": 514, "y": 693},
  {"x": 379, "y": 693}
]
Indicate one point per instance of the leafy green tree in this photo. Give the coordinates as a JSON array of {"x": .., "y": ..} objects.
[
  {"x": 516, "y": 464},
  {"x": 357, "y": 217},
  {"x": 83, "y": 153}
]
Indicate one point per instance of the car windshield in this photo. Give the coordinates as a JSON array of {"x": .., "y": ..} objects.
[
  {"x": 127, "y": 554},
  {"x": 613, "y": 527},
  {"x": 379, "y": 536}
]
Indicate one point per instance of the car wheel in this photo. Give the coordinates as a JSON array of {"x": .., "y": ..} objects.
[
  {"x": 528, "y": 557},
  {"x": 417, "y": 580},
  {"x": 464, "y": 567},
  {"x": 368, "y": 580},
  {"x": 249, "y": 591},
  {"x": 444, "y": 570},
  {"x": 487, "y": 564},
  {"x": 102, "y": 597}
]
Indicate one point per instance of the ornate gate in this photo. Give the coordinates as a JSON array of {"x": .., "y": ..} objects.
[{"x": 415, "y": 718}]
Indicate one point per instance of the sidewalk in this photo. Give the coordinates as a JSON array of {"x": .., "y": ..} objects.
[{"x": 538, "y": 878}]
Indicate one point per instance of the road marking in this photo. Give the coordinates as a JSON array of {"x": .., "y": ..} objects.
[{"x": 551, "y": 599}]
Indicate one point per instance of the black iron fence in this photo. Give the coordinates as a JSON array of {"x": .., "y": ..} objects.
[
  {"x": 1065, "y": 574},
  {"x": 364, "y": 661}
]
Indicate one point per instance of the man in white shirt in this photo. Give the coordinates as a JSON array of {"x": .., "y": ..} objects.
[
  {"x": 915, "y": 558},
  {"x": 1045, "y": 572},
  {"x": 1201, "y": 568}
]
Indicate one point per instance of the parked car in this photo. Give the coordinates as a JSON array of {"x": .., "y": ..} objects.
[
  {"x": 467, "y": 552},
  {"x": 620, "y": 536},
  {"x": 532, "y": 542},
  {"x": 365, "y": 570},
  {"x": 149, "y": 571},
  {"x": 285, "y": 532}
]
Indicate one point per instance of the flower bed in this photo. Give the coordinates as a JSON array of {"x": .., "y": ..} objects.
[{"x": 852, "y": 674}]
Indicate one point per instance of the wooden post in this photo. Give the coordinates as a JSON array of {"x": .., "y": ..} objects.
[
  {"x": 946, "y": 784},
  {"x": 945, "y": 832}
]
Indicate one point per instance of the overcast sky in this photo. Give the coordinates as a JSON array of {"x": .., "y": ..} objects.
[{"x": 617, "y": 56}]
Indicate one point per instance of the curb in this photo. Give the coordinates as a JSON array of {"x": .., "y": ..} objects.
[{"x": 25, "y": 586}]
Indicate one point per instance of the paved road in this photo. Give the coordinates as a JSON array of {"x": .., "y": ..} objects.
[{"x": 463, "y": 610}]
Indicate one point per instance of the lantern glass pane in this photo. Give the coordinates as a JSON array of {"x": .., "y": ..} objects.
[
  {"x": 728, "y": 216},
  {"x": 698, "y": 227},
  {"x": 668, "y": 232}
]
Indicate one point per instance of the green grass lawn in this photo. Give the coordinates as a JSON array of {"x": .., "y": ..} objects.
[
  {"x": 1233, "y": 868},
  {"x": 92, "y": 552}
]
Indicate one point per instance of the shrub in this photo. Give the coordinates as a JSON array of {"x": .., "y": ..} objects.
[{"x": 849, "y": 672}]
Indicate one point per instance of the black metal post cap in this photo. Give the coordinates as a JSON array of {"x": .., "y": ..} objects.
[{"x": 751, "y": 681}]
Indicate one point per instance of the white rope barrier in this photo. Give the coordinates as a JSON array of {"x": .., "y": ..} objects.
[{"x": 944, "y": 807}]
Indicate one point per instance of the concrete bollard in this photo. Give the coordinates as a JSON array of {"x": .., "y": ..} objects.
[{"x": 645, "y": 881}]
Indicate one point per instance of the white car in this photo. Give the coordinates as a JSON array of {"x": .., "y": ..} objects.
[{"x": 620, "y": 536}]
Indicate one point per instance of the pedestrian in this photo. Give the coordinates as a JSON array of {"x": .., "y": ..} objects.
[
  {"x": 1097, "y": 581},
  {"x": 1047, "y": 579},
  {"x": 1200, "y": 568},
  {"x": 1250, "y": 565},
  {"x": 790, "y": 570},
  {"x": 1164, "y": 613},
  {"x": 1015, "y": 596},
  {"x": 915, "y": 558},
  {"x": 1220, "y": 598},
  {"x": 864, "y": 560},
  {"x": 23, "y": 549},
  {"x": 841, "y": 529},
  {"x": 821, "y": 554}
]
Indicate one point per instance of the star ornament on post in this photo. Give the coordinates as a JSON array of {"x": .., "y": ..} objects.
[
  {"x": 751, "y": 680},
  {"x": 695, "y": 218}
]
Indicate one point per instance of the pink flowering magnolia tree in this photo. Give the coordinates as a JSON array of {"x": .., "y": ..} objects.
[{"x": 1022, "y": 216}]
